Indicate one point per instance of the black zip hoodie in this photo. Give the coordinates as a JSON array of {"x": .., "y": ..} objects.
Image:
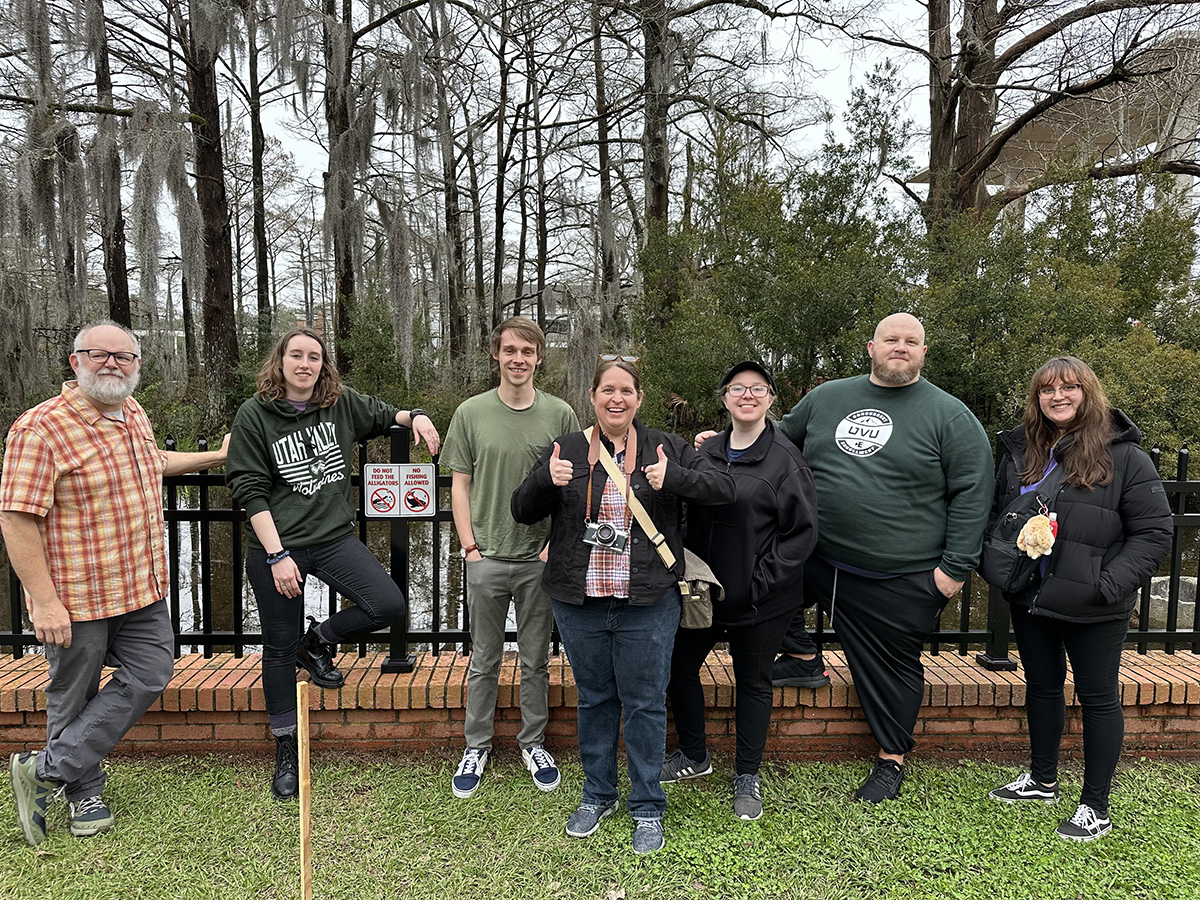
[
  {"x": 297, "y": 464},
  {"x": 758, "y": 544},
  {"x": 1110, "y": 539}
]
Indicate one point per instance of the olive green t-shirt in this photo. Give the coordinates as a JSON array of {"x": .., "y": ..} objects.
[{"x": 497, "y": 446}]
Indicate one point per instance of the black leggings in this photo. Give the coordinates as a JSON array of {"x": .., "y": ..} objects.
[
  {"x": 1095, "y": 653},
  {"x": 354, "y": 572},
  {"x": 753, "y": 648}
]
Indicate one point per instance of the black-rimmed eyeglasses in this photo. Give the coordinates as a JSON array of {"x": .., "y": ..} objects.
[
  {"x": 758, "y": 390},
  {"x": 123, "y": 358}
]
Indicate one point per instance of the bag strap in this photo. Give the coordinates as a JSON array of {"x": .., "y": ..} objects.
[{"x": 639, "y": 511}]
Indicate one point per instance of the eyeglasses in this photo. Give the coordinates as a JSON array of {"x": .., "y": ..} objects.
[
  {"x": 614, "y": 357},
  {"x": 758, "y": 390},
  {"x": 1064, "y": 388},
  {"x": 101, "y": 356}
]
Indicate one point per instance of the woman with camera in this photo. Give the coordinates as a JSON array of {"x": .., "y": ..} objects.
[
  {"x": 290, "y": 458},
  {"x": 616, "y": 604},
  {"x": 1113, "y": 530},
  {"x": 756, "y": 547}
]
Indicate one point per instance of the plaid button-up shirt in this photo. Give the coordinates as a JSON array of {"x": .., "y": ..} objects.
[
  {"x": 97, "y": 483},
  {"x": 608, "y": 570}
]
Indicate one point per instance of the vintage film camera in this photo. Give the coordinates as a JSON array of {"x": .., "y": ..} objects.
[{"x": 602, "y": 534}]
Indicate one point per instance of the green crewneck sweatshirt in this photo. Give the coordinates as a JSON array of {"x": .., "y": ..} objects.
[
  {"x": 903, "y": 475},
  {"x": 298, "y": 463}
]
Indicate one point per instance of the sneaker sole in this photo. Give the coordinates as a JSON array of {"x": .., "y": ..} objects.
[
  {"x": 24, "y": 802},
  {"x": 1083, "y": 839},
  {"x": 808, "y": 681},
  {"x": 750, "y": 818},
  {"x": 676, "y": 778},
  {"x": 1012, "y": 800},
  {"x": 465, "y": 795},
  {"x": 91, "y": 830},
  {"x": 600, "y": 818},
  {"x": 548, "y": 787}
]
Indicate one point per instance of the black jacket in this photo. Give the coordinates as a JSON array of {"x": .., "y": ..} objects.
[
  {"x": 1110, "y": 539},
  {"x": 691, "y": 477},
  {"x": 757, "y": 545}
]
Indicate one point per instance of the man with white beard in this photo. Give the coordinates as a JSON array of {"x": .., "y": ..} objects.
[{"x": 82, "y": 516}]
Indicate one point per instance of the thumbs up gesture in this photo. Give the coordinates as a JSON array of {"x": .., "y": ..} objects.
[
  {"x": 657, "y": 472},
  {"x": 560, "y": 469}
]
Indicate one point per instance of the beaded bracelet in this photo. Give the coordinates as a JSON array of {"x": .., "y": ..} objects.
[{"x": 273, "y": 558}]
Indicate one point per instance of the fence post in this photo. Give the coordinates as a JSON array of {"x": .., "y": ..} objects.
[
  {"x": 995, "y": 657},
  {"x": 398, "y": 658}
]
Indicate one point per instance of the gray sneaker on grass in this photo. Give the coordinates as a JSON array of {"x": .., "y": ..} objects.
[
  {"x": 747, "y": 797},
  {"x": 586, "y": 819},
  {"x": 648, "y": 835}
]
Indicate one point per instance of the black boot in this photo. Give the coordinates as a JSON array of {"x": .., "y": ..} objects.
[
  {"x": 286, "y": 783},
  {"x": 317, "y": 656}
]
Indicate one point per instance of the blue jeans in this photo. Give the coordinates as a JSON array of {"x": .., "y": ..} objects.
[{"x": 621, "y": 657}]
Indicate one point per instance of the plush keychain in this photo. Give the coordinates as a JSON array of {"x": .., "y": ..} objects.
[{"x": 1037, "y": 536}]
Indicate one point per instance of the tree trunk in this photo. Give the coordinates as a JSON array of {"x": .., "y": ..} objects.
[
  {"x": 112, "y": 216},
  {"x": 257, "y": 151},
  {"x": 339, "y": 179},
  {"x": 454, "y": 242},
  {"x": 220, "y": 336},
  {"x": 608, "y": 257}
]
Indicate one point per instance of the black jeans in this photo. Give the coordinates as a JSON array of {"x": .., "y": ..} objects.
[
  {"x": 1095, "y": 653},
  {"x": 753, "y": 649},
  {"x": 353, "y": 571}
]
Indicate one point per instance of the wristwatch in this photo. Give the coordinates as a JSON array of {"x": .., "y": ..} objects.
[{"x": 466, "y": 550}]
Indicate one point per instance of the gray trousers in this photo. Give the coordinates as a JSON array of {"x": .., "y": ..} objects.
[
  {"x": 491, "y": 585},
  {"x": 84, "y": 722}
]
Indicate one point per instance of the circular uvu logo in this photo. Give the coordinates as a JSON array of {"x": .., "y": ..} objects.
[{"x": 864, "y": 433}]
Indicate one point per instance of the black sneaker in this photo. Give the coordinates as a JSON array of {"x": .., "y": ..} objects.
[
  {"x": 285, "y": 784},
  {"x": 316, "y": 656},
  {"x": 677, "y": 767},
  {"x": 1085, "y": 825},
  {"x": 1026, "y": 787},
  {"x": 792, "y": 671},
  {"x": 747, "y": 797},
  {"x": 883, "y": 783}
]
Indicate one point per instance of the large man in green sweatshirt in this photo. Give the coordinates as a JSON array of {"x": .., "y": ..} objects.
[{"x": 904, "y": 477}]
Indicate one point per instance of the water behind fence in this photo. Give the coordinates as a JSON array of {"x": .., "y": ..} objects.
[{"x": 213, "y": 609}]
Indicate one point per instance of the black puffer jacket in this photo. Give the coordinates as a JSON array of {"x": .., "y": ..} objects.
[
  {"x": 757, "y": 545},
  {"x": 1110, "y": 539},
  {"x": 690, "y": 477}
]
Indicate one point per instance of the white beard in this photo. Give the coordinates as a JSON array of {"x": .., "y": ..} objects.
[{"x": 108, "y": 390}]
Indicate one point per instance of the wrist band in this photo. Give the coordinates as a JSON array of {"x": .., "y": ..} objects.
[
  {"x": 413, "y": 413},
  {"x": 273, "y": 558}
]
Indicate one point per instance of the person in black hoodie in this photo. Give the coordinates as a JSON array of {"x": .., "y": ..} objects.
[
  {"x": 756, "y": 546},
  {"x": 1113, "y": 531},
  {"x": 289, "y": 465}
]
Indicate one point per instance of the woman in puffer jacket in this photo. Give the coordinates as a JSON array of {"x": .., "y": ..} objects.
[{"x": 1114, "y": 529}]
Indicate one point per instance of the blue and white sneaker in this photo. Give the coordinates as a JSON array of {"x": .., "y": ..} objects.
[
  {"x": 470, "y": 773},
  {"x": 90, "y": 816},
  {"x": 541, "y": 766}
]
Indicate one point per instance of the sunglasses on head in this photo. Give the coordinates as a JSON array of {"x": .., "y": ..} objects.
[{"x": 614, "y": 357}]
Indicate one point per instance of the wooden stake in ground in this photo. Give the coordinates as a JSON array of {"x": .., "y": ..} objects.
[{"x": 305, "y": 791}]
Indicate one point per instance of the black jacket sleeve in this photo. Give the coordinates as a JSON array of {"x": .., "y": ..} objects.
[{"x": 1145, "y": 522}]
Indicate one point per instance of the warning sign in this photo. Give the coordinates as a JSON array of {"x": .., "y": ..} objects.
[{"x": 406, "y": 490}]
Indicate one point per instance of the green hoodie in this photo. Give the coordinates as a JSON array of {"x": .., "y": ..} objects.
[{"x": 298, "y": 464}]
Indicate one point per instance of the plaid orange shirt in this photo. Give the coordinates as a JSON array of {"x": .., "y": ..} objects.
[
  {"x": 97, "y": 483},
  {"x": 608, "y": 571}
]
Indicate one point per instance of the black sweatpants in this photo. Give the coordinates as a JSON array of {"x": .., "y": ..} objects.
[
  {"x": 753, "y": 649},
  {"x": 882, "y": 624},
  {"x": 1095, "y": 653}
]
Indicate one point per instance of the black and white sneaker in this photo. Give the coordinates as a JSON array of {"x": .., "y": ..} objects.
[
  {"x": 883, "y": 783},
  {"x": 1085, "y": 825},
  {"x": 747, "y": 797},
  {"x": 541, "y": 766},
  {"x": 1026, "y": 787},
  {"x": 470, "y": 773},
  {"x": 677, "y": 767}
]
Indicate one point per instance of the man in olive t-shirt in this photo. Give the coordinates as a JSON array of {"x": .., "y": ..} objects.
[{"x": 494, "y": 439}]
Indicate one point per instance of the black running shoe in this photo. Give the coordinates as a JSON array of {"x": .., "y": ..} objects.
[
  {"x": 883, "y": 782},
  {"x": 792, "y": 671}
]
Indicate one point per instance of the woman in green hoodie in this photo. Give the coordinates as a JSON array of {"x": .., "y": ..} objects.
[{"x": 289, "y": 466}]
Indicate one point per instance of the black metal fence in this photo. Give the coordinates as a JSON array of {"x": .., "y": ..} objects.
[{"x": 215, "y": 617}]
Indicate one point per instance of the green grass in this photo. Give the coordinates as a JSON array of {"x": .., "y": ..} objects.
[{"x": 384, "y": 828}]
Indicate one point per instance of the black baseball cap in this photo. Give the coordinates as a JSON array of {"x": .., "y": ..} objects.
[{"x": 748, "y": 366}]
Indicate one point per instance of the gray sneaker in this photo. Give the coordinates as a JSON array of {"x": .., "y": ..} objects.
[
  {"x": 586, "y": 819},
  {"x": 677, "y": 767},
  {"x": 648, "y": 835},
  {"x": 33, "y": 795},
  {"x": 747, "y": 797},
  {"x": 90, "y": 816}
]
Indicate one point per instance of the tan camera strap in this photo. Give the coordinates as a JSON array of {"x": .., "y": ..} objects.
[{"x": 639, "y": 511}]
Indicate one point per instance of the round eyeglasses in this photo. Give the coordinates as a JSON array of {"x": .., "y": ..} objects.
[{"x": 758, "y": 390}]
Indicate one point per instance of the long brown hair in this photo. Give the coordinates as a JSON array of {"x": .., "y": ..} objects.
[
  {"x": 269, "y": 383},
  {"x": 1083, "y": 447}
]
